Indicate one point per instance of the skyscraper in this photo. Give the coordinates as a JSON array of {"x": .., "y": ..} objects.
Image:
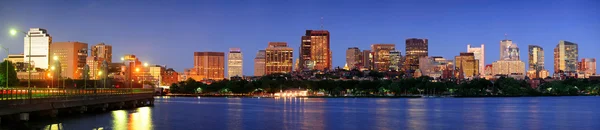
[
  {"x": 395, "y": 57},
  {"x": 381, "y": 56},
  {"x": 102, "y": 52},
  {"x": 259, "y": 63},
  {"x": 353, "y": 58},
  {"x": 415, "y": 48},
  {"x": 40, "y": 47},
  {"x": 278, "y": 58},
  {"x": 565, "y": 57},
  {"x": 467, "y": 65},
  {"x": 315, "y": 52},
  {"x": 72, "y": 57},
  {"x": 208, "y": 66},
  {"x": 536, "y": 62},
  {"x": 367, "y": 59},
  {"x": 234, "y": 63},
  {"x": 479, "y": 53},
  {"x": 509, "y": 63}
]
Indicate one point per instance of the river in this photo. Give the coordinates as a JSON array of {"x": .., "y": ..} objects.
[{"x": 535, "y": 113}]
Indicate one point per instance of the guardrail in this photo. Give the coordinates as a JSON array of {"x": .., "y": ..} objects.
[{"x": 47, "y": 93}]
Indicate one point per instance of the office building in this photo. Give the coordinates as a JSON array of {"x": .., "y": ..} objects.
[
  {"x": 94, "y": 67},
  {"x": 566, "y": 55},
  {"x": 40, "y": 48},
  {"x": 234, "y": 63},
  {"x": 315, "y": 52},
  {"x": 587, "y": 67},
  {"x": 15, "y": 58},
  {"x": 381, "y": 56},
  {"x": 170, "y": 76},
  {"x": 278, "y": 58},
  {"x": 536, "y": 62},
  {"x": 353, "y": 58},
  {"x": 511, "y": 68},
  {"x": 367, "y": 60},
  {"x": 394, "y": 57},
  {"x": 415, "y": 48},
  {"x": 479, "y": 53},
  {"x": 208, "y": 66},
  {"x": 72, "y": 57},
  {"x": 103, "y": 52},
  {"x": 259, "y": 63},
  {"x": 466, "y": 65}
]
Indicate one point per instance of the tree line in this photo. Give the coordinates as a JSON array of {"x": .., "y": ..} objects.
[{"x": 397, "y": 87}]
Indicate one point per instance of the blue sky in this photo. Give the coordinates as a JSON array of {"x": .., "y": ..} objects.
[{"x": 167, "y": 33}]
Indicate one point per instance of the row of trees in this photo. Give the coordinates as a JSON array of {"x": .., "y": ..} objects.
[{"x": 407, "y": 86}]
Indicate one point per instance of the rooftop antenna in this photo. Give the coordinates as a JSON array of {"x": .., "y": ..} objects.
[
  {"x": 505, "y": 36},
  {"x": 321, "y": 22}
]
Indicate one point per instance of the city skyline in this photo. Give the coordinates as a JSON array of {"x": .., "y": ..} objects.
[{"x": 125, "y": 36}]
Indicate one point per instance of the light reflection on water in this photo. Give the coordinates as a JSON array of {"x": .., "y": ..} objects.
[{"x": 347, "y": 114}]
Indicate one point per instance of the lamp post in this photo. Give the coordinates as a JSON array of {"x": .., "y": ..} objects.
[
  {"x": 6, "y": 48},
  {"x": 52, "y": 78},
  {"x": 100, "y": 74},
  {"x": 14, "y": 32},
  {"x": 144, "y": 73}
]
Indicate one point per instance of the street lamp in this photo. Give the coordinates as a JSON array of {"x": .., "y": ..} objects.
[
  {"x": 144, "y": 73},
  {"x": 100, "y": 74},
  {"x": 13, "y": 32},
  {"x": 6, "y": 48},
  {"x": 52, "y": 78}
]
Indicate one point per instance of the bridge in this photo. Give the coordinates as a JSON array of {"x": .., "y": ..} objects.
[{"x": 19, "y": 103}]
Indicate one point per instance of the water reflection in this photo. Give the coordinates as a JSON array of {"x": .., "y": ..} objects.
[
  {"x": 234, "y": 121},
  {"x": 416, "y": 114},
  {"x": 140, "y": 119}
]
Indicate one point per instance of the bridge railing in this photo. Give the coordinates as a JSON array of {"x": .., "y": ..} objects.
[{"x": 43, "y": 93}]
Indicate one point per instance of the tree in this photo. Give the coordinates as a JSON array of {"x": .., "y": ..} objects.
[{"x": 12, "y": 74}]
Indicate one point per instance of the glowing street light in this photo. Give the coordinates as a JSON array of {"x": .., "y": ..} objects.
[
  {"x": 13, "y": 32},
  {"x": 55, "y": 57}
]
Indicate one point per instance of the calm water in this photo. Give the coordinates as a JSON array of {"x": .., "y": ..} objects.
[{"x": 539, "y": 113}]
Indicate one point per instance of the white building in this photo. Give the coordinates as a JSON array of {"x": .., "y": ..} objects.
[
  {"x": 40, "y": 47},
  {"x": 479, "y": 53},
  {"x": 234, "y": 63}
]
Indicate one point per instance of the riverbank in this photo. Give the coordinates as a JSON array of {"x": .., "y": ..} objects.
[{"x": 411, "y": 96}]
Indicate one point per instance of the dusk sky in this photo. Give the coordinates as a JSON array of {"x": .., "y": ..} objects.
[{"x": 166, "y": 33}]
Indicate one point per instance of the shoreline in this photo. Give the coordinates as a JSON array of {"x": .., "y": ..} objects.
[{"x": 416, "y": 96}]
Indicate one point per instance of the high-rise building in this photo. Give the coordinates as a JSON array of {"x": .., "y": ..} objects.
[
  {"x": 509, "y": 64},
  {"x": 587, "y": 67},
  {"x": 40, "y": 47},
  {"x": 381, "y": 56},
  {"x": 353, "y": 58},
  {"x": 536, "y": 62},
  {"x": 315, "y": 53},
  {"x": 479, "y": 53},
  {"x": 367, "y": 60},
  {"x": 395, "y": 57},
  {"x": 208, "y": 66},
  {"x": 565, "y": 57},
  {"x": 94, "y": 67},
  {"x": 278, "y": 58},
  {"x": 259, "y": 63},
  {"x": 467, "y": 65},
  {"x": 103, "y": 52},
  {"x": 234, "y": 63},
  {"x": 72, "y": 57},
  {"x": 15, "y": 58},
  {"x": 415, "y": 48}
]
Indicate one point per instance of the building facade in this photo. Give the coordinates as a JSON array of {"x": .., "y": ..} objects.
[
  {"x": 259, "y": 63},
  {"x": 394, "y": 57},
  {"x": 234, "y": 63},
  {"x": 353, "y": 58},
  {"x": 103, "y": 52},
  {"x": 72, "y": 57},
  {"x": 381, "y": 56},
  {"x": 511, "y": 68},
  {"x": 278, "y": 58},
  {"x": 40, "y": 48},
  {"x": 466, "y": 65},
  {"x": 315, "y": 52},
  {"x": 587, "y": 67},
  {"x": 566, "y": 55},
  {"x": 536, "y": 62},
  {"x": 367, "y": 60},
  {"x": 479, "y": 53},
  {"x": 169, "y": 77},
  {"x": 208, "y": 66},
  {"x": 436, "y": 67},
  {"x": 415, "y": 48}
]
